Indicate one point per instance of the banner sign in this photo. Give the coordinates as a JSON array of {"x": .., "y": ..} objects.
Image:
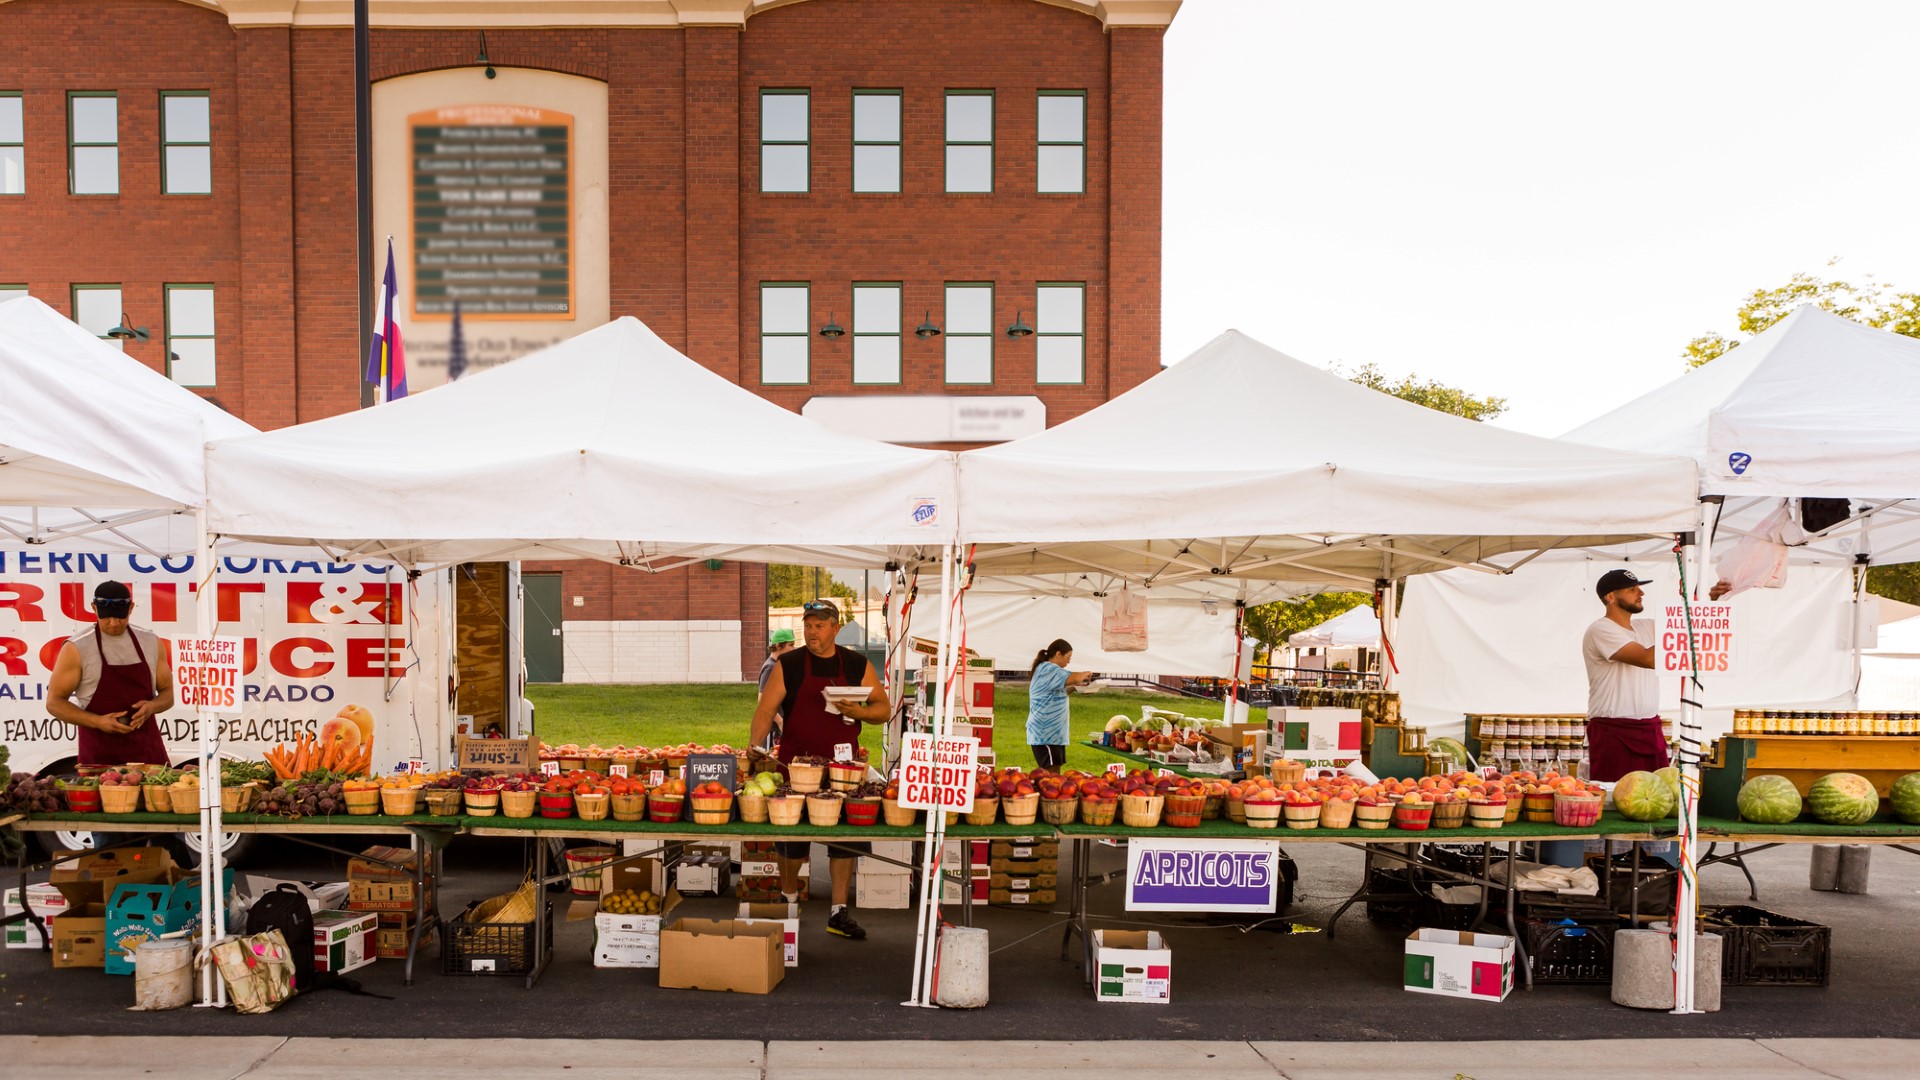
[
  {"x": 206, "y": 673},
  {"x": 1202, "y": 875},
  {"x": 938, "y": 774},
  {"x": 1713, "y": 639}
]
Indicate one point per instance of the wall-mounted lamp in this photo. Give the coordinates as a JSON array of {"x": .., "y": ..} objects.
[
  {"x": 482, "y": 59},
  {"x": 127, "y": 332},
  {"x": 926, "y": 329},
  {"x": 832, "y": 329},
  {"x": 1019, "y": 329},
  {"x": 716, "y": 564}
]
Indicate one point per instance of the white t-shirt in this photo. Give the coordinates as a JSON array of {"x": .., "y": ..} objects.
[{"x": 1615, "y": 688}]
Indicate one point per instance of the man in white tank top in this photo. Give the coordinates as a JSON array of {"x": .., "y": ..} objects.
[{"x": 110, "y": 681}]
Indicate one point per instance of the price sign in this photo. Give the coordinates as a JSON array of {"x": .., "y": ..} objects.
[
  {"x": 1165, "y": 772},
  {"x": 656, "y": 778},
  {"x": 618, "y": 769},
  {"x": 416, "y": 766},
  {"x": 550, "y": 768},
  {"x": 843, "y": 752},
  {"x": 1117, "y": 770}
]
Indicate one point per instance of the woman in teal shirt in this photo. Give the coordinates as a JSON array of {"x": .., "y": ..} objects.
[{"x": 1047, "y": 703}]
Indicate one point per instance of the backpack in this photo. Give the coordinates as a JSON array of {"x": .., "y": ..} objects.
[{"x": 285, "y": 909}]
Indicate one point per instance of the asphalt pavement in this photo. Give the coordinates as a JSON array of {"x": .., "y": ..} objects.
[{"x": 1229, "y": 983}]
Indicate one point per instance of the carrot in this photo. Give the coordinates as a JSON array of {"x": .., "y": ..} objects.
[{"x": 300, "y": 757}]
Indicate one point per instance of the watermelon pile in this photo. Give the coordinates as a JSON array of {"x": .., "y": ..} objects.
[
  {"x": 1643, "y": 796},
  {"x": 1768, "y": 800},
  {"x": 1843, "y": 799},
  {"x": 1904, "y": 797},
  {"x": 1454, "y": 749}
]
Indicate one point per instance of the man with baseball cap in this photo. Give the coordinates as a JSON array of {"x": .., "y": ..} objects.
[
  {"x": 796, "y": 692},
  {"x": 778, "y": 645},
  {"x": 120, "y": 675},
  {"x": 1623, "y": 693}
]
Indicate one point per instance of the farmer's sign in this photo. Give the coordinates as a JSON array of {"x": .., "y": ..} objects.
[
  {"x": 1713, "y": 639},
  {"x": 938, "y": 774},
  {"x": 1202, "y": 875},
  {"x": 206, "y": 673}
]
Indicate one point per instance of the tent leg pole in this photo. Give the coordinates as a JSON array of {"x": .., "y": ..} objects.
[
  {"x": 931, "y": 879},
  {"x": 1686, "y": 900},
  {"x": 213, "y": 922}
]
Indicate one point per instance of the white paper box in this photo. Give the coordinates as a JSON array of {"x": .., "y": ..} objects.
[
  {"x": 882, "y": 892},
  {"x": 46, "y": 902},
  {"x": 899, "y": 850},
  {"x": 1132, "y": 965},
  {"x": 1456, "y": 964}
]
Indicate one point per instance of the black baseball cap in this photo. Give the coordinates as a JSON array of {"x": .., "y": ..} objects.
[
  {"x": 823, "y": 609},
  {"x": 1614, "y": 580},
  {"x": 112, "y": 599}
]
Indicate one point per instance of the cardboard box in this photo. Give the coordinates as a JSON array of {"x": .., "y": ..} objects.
[
  {"x": 1453, "y": 963},
  {"x": 345, "y": 940},
  {"x": 703, "y": 871},
  {"x": 494, "y": 755},
  {"x": 44, "y": 900},
  {"x": 722, "y": 954},
  {"x": 1025, "y": 867},
  {"x": 787, "y": 915},
  {"x": 630, "y": 941},
  {"x": 138, "y": 912},
  {"x": 1036, "y": 898},
  {"x": 1027, "y": 883},
  {"x": 882, "y": 892},
  {"x": 1026, "y": 847},
  {"x": 383, "y": 896},
  {"x": 897, "y": 850},
  {"x": 1132, "y": 965},
  {"x": 382, "y": 863},
  {"x": 950, "y": 891},
  {"x": 394, "y": 932},
  {"x": 80, "y": 936}
]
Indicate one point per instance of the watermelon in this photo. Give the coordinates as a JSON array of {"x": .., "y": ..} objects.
[
  {"x": 1905, "y": 798},
  {"x": 1769, "y": 800},
  {"x": 1453, "y": 749},
  {"x": 1672, "y": 776},
  {"x": 1642, "y": 796},
  {"x": 1843, "y": 799}
]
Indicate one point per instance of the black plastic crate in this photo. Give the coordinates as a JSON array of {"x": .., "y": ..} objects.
[
  {"x": 1391, "y": 899},
  {"x": 1571, "y": 949},
  {"x": 1441, "y": 915},
  {"x": 482, "y": 948},
  {"x": 1760, "y": 948}
]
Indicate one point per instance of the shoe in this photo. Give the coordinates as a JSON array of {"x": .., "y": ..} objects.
[{"x": 843, "y": 925}]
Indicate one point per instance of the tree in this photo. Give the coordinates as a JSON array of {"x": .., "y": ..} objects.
[
  {"x": 1275, "y": 623},
  {"x": 1436, "y": 396},
  {"x": 1869, "y": 302},
  {"x": 791, "y": 586}
]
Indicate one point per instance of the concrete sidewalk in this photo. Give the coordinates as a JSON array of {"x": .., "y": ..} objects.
[{"x": 267, "y": 1058}]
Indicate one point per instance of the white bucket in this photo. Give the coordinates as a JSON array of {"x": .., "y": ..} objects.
[{"x": 163, "y": 974}]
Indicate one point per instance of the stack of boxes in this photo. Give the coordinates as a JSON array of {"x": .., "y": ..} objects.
[
  {"x": 972, "y": 698},
  {"x": 44, "y": 900},
  {"x": 879, "y": 884},
  {"x": 1024, "y": 872},
  {"x": 759, "y": 878},
  {"x": 378, "y": 881},
  {"x": 114, "y": 901},
  {"x": 971, "y": 860}
]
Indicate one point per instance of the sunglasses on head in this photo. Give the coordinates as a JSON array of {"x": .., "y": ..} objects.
[
  {"x": 819, "y": 607},
  {"x": 112, "y": 609}
]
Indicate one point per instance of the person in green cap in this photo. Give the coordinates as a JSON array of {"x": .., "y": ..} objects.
[{"x": 777, "y": 646}]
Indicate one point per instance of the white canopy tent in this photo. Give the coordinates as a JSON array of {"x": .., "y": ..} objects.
[
  {"x": 1240, "y": 462},
  {"x": 1815, "y": 406},
  {"x": 1355, "y": 628},
  {"x": 92, "y": 440},
  {"x": 610, "y": 445}
]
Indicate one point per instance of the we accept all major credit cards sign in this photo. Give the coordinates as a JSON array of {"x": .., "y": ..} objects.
[{"x": 1202, "y": 875}]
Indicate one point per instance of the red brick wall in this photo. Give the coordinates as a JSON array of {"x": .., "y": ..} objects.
[
  {"x": 924, "y": 237},
  {"x": 138, "y": 239}
]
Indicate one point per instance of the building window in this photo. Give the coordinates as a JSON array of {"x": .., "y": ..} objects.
[
  {"x": 186, "y": 143},
  {"x": 783, "y": 140},
  {"x": 876, "y": 140},
  {"x": 97, "y": 309},
  {"x": 876, "y": 334},
  {"x": 190, "y": 334},
  {"x": 93, "y": 129},
  {"x": 969, "y": 334},
  {"x": 12, "y": 292},
  {"x": 1060, "y": 325},
  {"x": 969, "y": 140},
  {"x": 13, "y": 144},
  {"x": 1063, "y": 140},
  {"x": 783, "y": 333}
]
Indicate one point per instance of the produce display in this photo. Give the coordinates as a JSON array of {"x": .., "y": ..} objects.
[
  {"x": 1769, "y": 800},
  {"x": 340, "y": 754},
  {"x": 1169, "y": 736}
]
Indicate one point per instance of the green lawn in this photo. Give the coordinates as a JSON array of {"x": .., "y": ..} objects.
[{"x": 657, "y": 715}]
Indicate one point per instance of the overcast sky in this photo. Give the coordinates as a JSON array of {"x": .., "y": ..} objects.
[{"x": 1541, "y": 200}]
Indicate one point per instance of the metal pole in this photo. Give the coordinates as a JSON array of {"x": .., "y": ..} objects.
[
  {"x": 932, "y": 880},
  {"x": 213, "y": 921},
  {"x": 1686, "y": 900},
  {"x": 363, "y": 159}
]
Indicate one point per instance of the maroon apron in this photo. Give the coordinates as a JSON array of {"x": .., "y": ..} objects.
[
  {"x": 1617, "y": 746},
  {"x": 121, "y": 687},
  {"x": 810, "y": 730}
]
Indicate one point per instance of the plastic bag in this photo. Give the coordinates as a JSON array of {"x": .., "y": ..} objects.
[
  {"x": 257, "y": 969},
  {"x": 1759, "y": 560},
  {"x": 1123, "y": 621}
]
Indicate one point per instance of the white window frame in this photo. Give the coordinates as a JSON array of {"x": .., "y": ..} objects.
[
  {"x": 1043, "y": 334},
  {"x": 805, "y": 143},
  {"x": 899, "y": 125},
  {"x": 962, "y": 145},
  {"x": 1043, "y": 144},
  {"x": 173, "y": 335}
]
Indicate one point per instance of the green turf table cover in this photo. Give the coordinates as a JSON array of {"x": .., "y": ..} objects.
[
  {"x": 1154, "y": 766},
  {"x": 739, "y": 829},
  {"x": 1877, "y": 828},
  {"x": 1610, "y": 825}
]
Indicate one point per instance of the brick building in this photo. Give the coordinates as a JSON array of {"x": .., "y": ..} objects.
[{"x": 745, "y": 176}]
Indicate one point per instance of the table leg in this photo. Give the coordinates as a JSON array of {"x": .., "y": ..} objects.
[
  {"x": 539, "y": 911},
  {"x": 1074, "y": 898},
  {"x": 1633, "y": 891},
  {"x": 1086, "y": 931},
  {"x": 1753, "y": 889},
  {"x": 1366, "y": 882},
  {"x": 1486, "y": 875},
  {"x": 1513, "y": 927}
]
